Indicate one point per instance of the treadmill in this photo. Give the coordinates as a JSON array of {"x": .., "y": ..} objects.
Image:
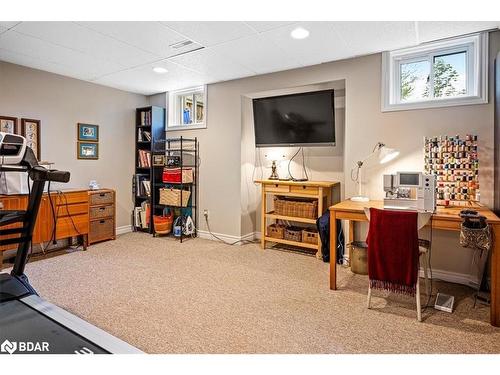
[{"x": 29, "y": 324}]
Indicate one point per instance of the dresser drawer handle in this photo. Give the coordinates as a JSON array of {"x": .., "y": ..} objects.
[
  {"x": 102, "y": 208},
  {"x": 102, "y": 221},
  {"x": 102, "y": 194}
]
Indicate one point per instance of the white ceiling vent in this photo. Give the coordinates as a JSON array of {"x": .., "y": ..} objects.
[{"x": 181, "y": 44}]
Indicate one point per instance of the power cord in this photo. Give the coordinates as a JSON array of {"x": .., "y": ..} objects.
[
  {"x": 290, "y": 162},
  {"x": 244, "y": 242},
  {"x": 304, "y": 164},
  {"x": 430, "y": 268}
]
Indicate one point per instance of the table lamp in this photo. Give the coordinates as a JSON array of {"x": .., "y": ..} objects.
[
  {"x": 274, "y": 156},
  {"x": 385, "y": 155}
]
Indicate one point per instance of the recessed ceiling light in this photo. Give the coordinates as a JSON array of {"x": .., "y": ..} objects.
[
  {"x": 160, "y": 70},
  {"x": 299, "y": 33}
]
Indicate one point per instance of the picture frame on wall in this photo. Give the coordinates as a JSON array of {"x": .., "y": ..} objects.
[
  {"x": 158, "y": 160},
  {"x": 88, "y": 132},
  {"x": 30, "y": 129},
  {"x": 8, "y": 125},
  {"x": 87, "y": 150}
]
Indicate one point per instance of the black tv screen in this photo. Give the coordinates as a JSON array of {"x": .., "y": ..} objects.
[{"x": 305, "y": 119}]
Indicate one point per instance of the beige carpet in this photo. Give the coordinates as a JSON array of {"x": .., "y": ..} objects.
[{"x": 205, "y": 297}]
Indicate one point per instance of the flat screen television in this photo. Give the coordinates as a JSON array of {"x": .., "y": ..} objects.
[{"x": 305, "y": 119}]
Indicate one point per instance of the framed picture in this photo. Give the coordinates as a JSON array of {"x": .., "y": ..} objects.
[
  {"x": 30, "y": 129},
  {"x": 88, "y": 132},
  {"x": 8, "y": 124},
  {"x": 87, "y": 150},
  {"x": 158, "y": 160}
]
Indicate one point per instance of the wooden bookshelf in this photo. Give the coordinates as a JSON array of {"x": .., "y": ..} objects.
[{"x": 149, "y": 132}]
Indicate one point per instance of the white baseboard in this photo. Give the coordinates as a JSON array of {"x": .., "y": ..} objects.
[
  {"x": 227, "y": 237},
  {"x": 452, "y": 277},
  {"x": 123, "y": 229}
]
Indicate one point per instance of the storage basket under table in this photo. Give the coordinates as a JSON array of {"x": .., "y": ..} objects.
[
  {"x": 293, "y": 234},
  {"x": 310, "y": 235},
  {"x": 172, "y": 197},
  {"x": 296, "y": 208},
  {"x": 276, "y": 231}
]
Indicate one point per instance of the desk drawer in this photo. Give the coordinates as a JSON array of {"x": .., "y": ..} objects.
[
  {"x": 277, "y": 188},
  {"x": 304, "y": 189},
  {"x": 102, "y": 211},
  {"x": 71, "y": 226},
  {"x": 72, "y": 209},
  {"x": 70, "y": 197},
  {"x": 104, "y": 197},
  {"x": 101, "y": 230}
]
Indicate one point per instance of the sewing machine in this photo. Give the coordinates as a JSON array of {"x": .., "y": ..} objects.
[{"x": 413, "y": 191}]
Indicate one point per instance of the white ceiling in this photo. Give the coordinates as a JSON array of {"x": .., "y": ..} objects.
[{"x": 122, "y": 54}]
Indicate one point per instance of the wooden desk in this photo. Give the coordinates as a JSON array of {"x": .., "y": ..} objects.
[
  {"x": 444, "y": 219},
  {"x": 71, "y": 210},
  {"x": 320, "y": 190}
]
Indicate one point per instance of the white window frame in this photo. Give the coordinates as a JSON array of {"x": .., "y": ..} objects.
[
  {"x": 174, "y": 122},
  {"x": 476, "y": 47}
]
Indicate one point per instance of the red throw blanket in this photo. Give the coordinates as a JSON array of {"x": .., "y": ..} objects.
[{"x": 393, "y": 251}]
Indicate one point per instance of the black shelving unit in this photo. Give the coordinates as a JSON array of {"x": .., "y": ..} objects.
[
  {"x": 152, "y": 121},
  {"x": 188, "y": 151}
]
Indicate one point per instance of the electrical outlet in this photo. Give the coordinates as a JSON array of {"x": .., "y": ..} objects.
[{"x": 205, "y": 213}]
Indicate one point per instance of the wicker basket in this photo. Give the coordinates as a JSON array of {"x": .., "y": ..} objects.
[
  {"x": 172, "y": 197},
  {"x": 163, "y": 224},
  {"x": 275, "y": 231},
  {"x": 293, "y": 234},
  {"x": 310, "y": 235},
  {"x": 296, "y": 208}
]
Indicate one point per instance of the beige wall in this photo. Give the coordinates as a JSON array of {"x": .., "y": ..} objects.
[
  {"x": 322, "y": 163},
  {"x": 224, "y": 176},
  {"x": 226, "y": 148},
  {"x": 60, "y": 103}
]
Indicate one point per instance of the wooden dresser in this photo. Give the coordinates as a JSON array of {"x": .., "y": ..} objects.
[{"x": 102, "y": 211}]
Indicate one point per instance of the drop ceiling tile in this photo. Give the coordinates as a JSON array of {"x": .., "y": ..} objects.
[
  {"x": 434, "y": 30},
  {"x": 211, "y": 33},
  {"x": 143, "y": 80},
  {"x": 47, "y": 66},
  {"x": 258, "y": 54},
  {"x": 322, "y": 45},
  {"x": 362, "y": 38},
  {"x": 149, "y": 36},
  {"x": 79, "y": 38},
  {"x": 80, "y": 63},
  {"x": 9, "y": 24},
  {"x": 210, "y": 64},
  {"x": 262, "y": 26}
]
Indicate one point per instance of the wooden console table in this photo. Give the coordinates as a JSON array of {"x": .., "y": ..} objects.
[
  {"x": 320, "y": 190},
  {"x": 443, "y": 219}
]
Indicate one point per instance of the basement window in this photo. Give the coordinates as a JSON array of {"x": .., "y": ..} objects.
[
  {"x": 439, "y": 74},
  {"x": 187, "y": 109}
]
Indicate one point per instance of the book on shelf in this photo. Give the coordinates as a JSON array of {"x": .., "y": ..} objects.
[
  {"x": 145, "y": 118},
  {"x": 144, "y": 159},
  {"x": 143, "y": 135},
  {"x": 142, "y": 185},
  {"x": 141, "y": 216}
]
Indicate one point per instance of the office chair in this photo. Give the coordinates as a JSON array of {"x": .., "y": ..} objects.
[{"x": 424, "y": 251}]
